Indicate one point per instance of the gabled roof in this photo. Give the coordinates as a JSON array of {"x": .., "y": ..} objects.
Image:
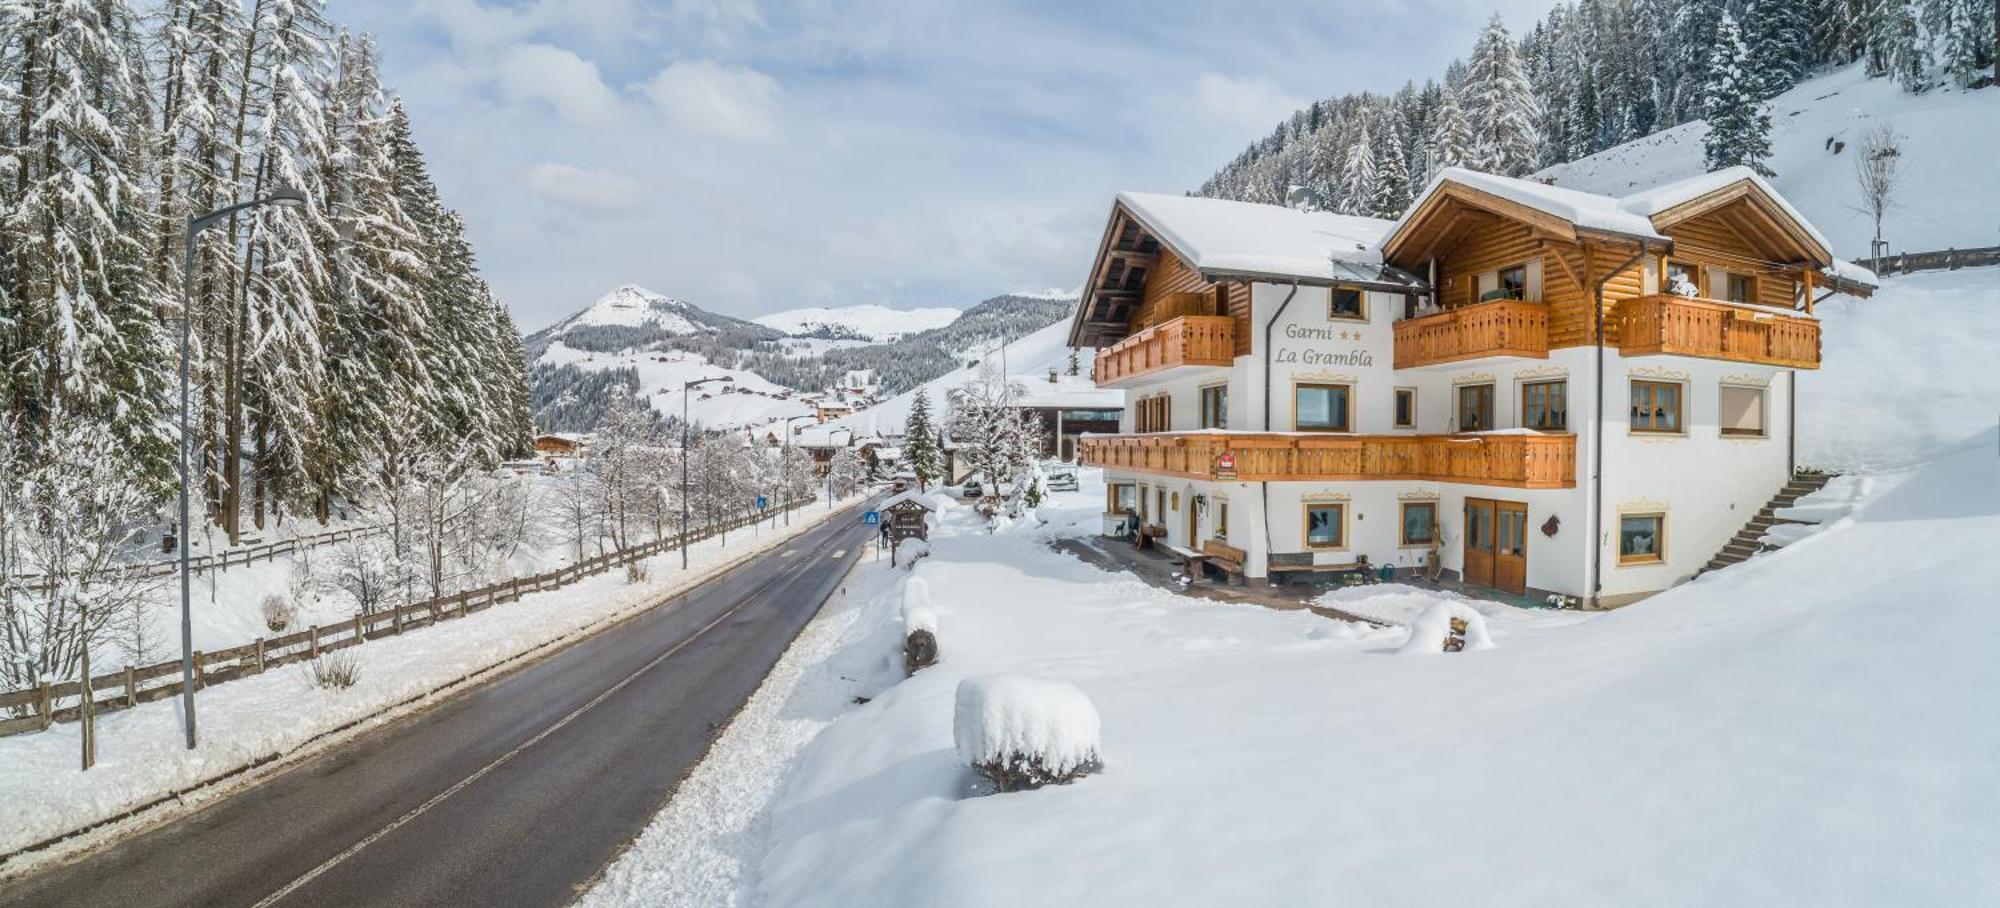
[
  {"x": 1670, "y": 203},
  {"x": 1219, "y": 237}
]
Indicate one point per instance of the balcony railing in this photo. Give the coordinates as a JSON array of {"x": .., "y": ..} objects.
[
  {"x": 1496, "y": 328},
  {"x": 1190, "y": 340},
  {"x": 1529, "y": 461},
  {"x": 1712, "y": 329}
]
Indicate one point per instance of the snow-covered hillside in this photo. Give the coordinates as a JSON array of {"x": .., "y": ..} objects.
[
  {"x": 1949, "y": 135},
  {"x": 631, "y": 306},
  {"x": 865, "y": 322},
  {"x": 748, "y": 399}
]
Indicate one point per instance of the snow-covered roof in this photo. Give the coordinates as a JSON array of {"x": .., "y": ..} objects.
[
  {"x": 1067, "y": 392},
  {"x": 911, "y": 495},
  {"x": 1219, "y": 236},
  {"x": 1849, "y": 271},
  {"x": 1666, "y": 196},
  {"x": 1587, "y": 210}
]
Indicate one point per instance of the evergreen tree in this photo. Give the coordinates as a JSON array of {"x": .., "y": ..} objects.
[
  {"x": 1689, "y": 50},
  {"x": 1357, "y": 174},
  {"x": 920, "y": 442},
  {"x": 1392, "y": 182},
  {"x": 1779, "y": 36},
  {"x": 1451, "y": 139},
  {"x": 1966, "y": 38},
  {"x": 1500, "y": 106},
  {"x": 1739, "y": 126}
]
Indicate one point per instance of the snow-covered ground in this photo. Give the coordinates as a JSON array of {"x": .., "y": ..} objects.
[
  {"x": 878, "y": 323},
  {"x": 1948, "y": 137},
  {"x": 747, "y": 399},
  {"x": 140, "y": 750}
]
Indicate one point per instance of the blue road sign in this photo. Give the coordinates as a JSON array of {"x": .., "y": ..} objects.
[
  {"x": 763, "y": 502},
  {"x": 871, "y": 517}
]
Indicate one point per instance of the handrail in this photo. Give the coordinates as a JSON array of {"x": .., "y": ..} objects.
[
  {"x": 1187, "y": 340},
  {"x": 1534, "y": 461},
  {"x": 1714, "y": 329},
  {"x": 1493, "y": 328}
]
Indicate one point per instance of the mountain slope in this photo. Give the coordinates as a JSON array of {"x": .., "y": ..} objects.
[
  {"x": 1948, "y": 135},
  {"x": 867, "y": 322}
]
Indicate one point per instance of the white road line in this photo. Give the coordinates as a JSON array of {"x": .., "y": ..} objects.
[
  {"x": 838, "y": 554},
  {"x": 439, "y": 798}
]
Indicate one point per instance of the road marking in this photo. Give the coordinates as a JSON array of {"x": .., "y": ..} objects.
[
  {"x": 838, "y": 554},
  {"x": 789, "y": 553},
  {"x": 439, "y": 798}
]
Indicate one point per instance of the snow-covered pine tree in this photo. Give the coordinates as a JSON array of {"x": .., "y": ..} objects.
[
  {"x": 920, "y": 442},
  {"x": 1578, "y": 74},
  {"x": 1392, "y": 180},
  {"x": 1966, "y": 38},
  {"x": 1500, "y": 106},
  {"x": 1779, "y": 36},
  {"x": 1739, "y": 125},
  {"x": 1688, "y": 49},
  {"x": 1451, "y": 138},
  {"x": 1357, "y": 173}
]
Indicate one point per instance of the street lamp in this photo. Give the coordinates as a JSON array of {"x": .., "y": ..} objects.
[
  {"x": 829, "y": 460},
  {"x": 286, "y": 197},
  {"x": 784, "y": 466},
  {"x": 687, "y": 386}
]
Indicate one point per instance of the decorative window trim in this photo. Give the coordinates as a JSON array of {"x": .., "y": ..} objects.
[
  {"x": 1659, "y": 554},
  {"x": 1521, "y": 397},
  {"x": 1492, "y": 405},
  {"x": 1403, "y": 524},
  {"x": 1763, "y": 393},
  {"x": 1346, "y": 429},
  {"x": 1305, "y": 525},
  {"x": 1680, "y": 415}
]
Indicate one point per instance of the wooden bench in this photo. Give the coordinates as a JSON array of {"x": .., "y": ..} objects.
[
  {"x": 1148, "y": 533},
  {"x": 1283, "y": 563},
  {"x": 1189, "y": 559},
  {"x": 1225, "y": 558}
]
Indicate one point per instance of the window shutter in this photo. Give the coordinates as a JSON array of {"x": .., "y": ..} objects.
[{"x": 1742, "y": 410}]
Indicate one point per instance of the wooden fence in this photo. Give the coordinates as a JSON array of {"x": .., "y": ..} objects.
[
  {"x": 35, "y": 709},
  {"x": 1943, "y": 260},
  {"x": 233, "y": 557}
]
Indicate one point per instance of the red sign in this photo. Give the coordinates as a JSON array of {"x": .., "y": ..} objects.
[{"x": 1225, "y": 466}]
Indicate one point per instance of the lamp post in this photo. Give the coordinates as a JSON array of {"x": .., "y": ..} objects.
[
  {"x": 784, "y": 466},
  {"x": 284, "y": 197},
  {"x": 687, "y": 386},
  {"x": 829, "y": 460}
]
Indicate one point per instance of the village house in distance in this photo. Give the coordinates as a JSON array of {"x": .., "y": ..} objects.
[{"x": 1559, "y": 392}]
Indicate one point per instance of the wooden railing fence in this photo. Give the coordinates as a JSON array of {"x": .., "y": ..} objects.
[
  {"x": 234, "y": 557},
  {"x": 36, "y": 708}
]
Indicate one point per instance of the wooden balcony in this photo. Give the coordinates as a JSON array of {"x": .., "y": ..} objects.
[
  {"x": 1712, "y": 329},
  {"x": 1184, "y": 342},
  {"x": 1496, "y": 328},
  {"x": 1528, "y": 461}
]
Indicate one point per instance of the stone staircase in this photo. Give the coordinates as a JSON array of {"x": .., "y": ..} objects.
[{"x": 1745, "y": 543}]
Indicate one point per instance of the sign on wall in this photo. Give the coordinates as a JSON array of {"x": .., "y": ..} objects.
[{"x": 1224, "y": 468}]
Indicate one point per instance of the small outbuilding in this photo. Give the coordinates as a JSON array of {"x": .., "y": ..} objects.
[{"x": 906, "y": 516}]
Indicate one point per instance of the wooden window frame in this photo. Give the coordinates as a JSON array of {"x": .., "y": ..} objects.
[
  {"x": 1403, "y": 524},
  {"x": 1347, "y": 426},
  {"x": 1221, "y": 528},
  {"x": 1154, "y": 414},
  {"x": 1500, "y": 280},
  {"x": 1458, "y": 405},
  {"x": 1667, "y": 266},
  {"x": 1525, "y": 411},
  {"x": 1360, "y": 298},
  {"x": 1305, "y": 527},
  {"x": 1680, "y": 406},
  {"x": 1763, "y": 410},
  {"x": 1160, "y": 505},
  {"x": 1111, "y": 496},
  {"x": 1396, "y": 405},
  {"x": 1220, "y": 392},
  {"x": 1749, "y": 284},
  {"x": 1659, "y": 553}
]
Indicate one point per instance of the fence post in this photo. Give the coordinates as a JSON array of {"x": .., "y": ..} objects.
[
  {"x": 45, "y": 705},
  {"x": 200, "y": 670},
  {"x": 357, "y": 629},
  {"x": 260, "y": 654},
  {"x": 397, "y": 614},
  {"x": 315, "y": 642},
  {"x": 131, "y": 686}
]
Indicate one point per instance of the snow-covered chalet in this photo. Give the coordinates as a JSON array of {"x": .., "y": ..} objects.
[{"x": 1528, "y": 388}]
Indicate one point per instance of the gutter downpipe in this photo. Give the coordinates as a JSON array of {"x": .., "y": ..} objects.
[
  {"x": 1264, "y": 488},
  {"x": 1594, "y": 582}
]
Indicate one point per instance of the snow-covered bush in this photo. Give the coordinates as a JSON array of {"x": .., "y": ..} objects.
[
  {"x": 635, "y": 572},
  {"x": 335, "y": 671},
  {"x": 1023, "y": 732},
  {"x": 909, "y": 551},
  {"x": 920, "y": 627},
  {"x": 278, "y": 612},
  {"x": 368, "y": 570},
  {"x": 916, "y": 595},
  {"x": 1433, "y": 628}
]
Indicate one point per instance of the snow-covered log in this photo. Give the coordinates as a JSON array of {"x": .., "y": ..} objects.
[
  {"x": 1432, "y": 628},
  {"x": 1024, "y": 732}
]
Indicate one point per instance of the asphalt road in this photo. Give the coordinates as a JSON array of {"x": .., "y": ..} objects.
[{"x": 516, "y": 792}]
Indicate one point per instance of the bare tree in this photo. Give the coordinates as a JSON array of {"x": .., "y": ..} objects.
[{"x": 1877, "y": 170}]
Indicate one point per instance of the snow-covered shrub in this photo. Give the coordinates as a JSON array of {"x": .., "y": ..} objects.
[
  {"x": 635, "y": 572},
  {"x": 916, "y": 595},
  {"x": 920, "y": 642},
  {"x": 1023, "y": 732},
  {"x": 278, "y": 612},
  {"x": 335, "y": 671},
  {"x": 1431, "y": 630},
  {"x": 369, "y": 571},
  {"x": 909, "y": 551}
]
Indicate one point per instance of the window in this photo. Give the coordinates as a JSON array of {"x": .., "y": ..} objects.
[
  {"x": 1321, "y": 408},
  {"x": 1475, "y": 408},
  {"x": 1641, "y": 538},
  {"x": 1742, "y": 411},
  {"x": 1683, "y": 279},
  {"x": 1124, "y": 497},
  {"x": 1215, "y": 407},
  {"x": 1514, "y": 283},
  {"x": 1326, "y": 526},
  {"x": 1144, "y": 517},
  {"x": 1160, "y": 504},
  {"x": 1419, "y": 522},
  {"x": 1153, "y": 414},
  {"x": 1742, "y": 288},
  {"x": 1406, "y": 408},
  {"x": 1347, "y": 304},
  {"x": 1656, "y": 406},
  {"x": 1545, "y": 405},
  {"x": 1222, "y": 520}
]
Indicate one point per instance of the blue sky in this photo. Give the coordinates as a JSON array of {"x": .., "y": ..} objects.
[{"x": 757, "y": 156}]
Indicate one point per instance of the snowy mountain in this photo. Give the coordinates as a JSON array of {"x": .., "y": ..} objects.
[
  {"x": 1816, "y": 133},
  {"x": 868, "y": 322}
]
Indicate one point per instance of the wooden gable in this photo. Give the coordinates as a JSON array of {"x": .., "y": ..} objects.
[{"x": 1137, "y": 283}]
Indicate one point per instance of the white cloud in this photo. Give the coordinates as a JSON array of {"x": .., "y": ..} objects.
[
  {"x": 708, "y": 98},
  {"x": 590, "y": 192},
  {"x": 561, "y": 79},
  {"x": 1253, "y": 104}
]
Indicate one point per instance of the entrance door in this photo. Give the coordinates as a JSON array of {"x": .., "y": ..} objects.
[
  {"x": 1478, "y": 541},
  {"x": 1510, "y": 557}
]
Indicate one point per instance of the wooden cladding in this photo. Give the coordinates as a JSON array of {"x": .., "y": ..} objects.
[
  {"x": 1498, "y": 328},
  {"x": 1190, "y": 340},
  {"x": 1710, "y": 329},
  {"x": 1545, "y": 461}
]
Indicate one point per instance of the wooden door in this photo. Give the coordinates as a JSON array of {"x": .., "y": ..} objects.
[
  {"x": 1510, "y": 548},
  {"x": 1478, "y": 542}
]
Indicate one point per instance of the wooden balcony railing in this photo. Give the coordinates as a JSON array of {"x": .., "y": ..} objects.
[
  {"x": 1684, "y": 326},
  {"x": 1529, "y": 461},
  {"x": 1190, "y": 340},
  {"x": 1496, "y": 328}
]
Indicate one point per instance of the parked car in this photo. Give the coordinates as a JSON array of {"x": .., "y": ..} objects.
[
  {"x": 971, "y": 489},
  {"x": 899, "y": 486},
  {"x": 1063, "y": 480}
]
